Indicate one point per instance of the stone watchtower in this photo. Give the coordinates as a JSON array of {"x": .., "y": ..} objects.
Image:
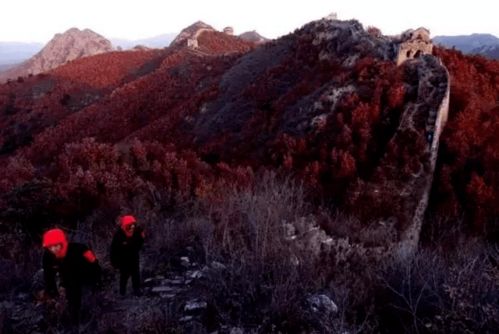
[
  {"x": 414, "y": 43},
  {"x": 332, "y": 16},
  {"x": 192, "y": 43},
  {"x": 229, "y": 31}
]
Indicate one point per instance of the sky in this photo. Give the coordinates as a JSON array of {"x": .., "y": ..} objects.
[{"x": 38, "y": 21}]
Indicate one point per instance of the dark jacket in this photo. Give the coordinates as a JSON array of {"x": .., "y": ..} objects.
[
  {"x": 125, "y": 250},
  {"x": 78, "y": 267}
]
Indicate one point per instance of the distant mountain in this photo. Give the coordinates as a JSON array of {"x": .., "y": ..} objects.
[
  {"x": 71, "y": 45},
  {"x": 253, "y": 36},
  {"x": 17, "y": 52},
  {"x": 489, "y": 51},
  {"x": 156, "y": 42},
  {"x": 467, "y": 43}
]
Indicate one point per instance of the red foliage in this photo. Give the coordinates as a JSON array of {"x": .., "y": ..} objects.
[
  {"x": 354, "y": 137},
  {"x": 42, "y": 101},
  {"x": 17, "y": 171},
  {"x": 214, "y": 42},
  {"x": 164, "y": 105},
  {"x": 109, "y": 69},
  {"x": 151, "y": 107},
  {"x": 89, "y": 174},
  {"x": 468, "y": 169},
  {"x": 201, "y": 116}
]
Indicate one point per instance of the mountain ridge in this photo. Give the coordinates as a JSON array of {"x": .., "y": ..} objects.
[
  {"x": 471, "y": 44},
  {"x": 255, "y": 105}
]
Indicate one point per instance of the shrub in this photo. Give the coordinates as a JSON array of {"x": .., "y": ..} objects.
[
  {"x": 440, "y": 293},
  {"x": 269, "y": 274}
]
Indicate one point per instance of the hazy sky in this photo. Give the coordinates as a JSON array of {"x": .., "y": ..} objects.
[{"x": 39, "y": 20}]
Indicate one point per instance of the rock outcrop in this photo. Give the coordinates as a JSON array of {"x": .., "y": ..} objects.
[{"x": 72, "y": 44}]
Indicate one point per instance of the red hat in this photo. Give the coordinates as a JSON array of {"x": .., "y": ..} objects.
[
  {"x": 54, "y": 237},
  {"x": 126, "y": 221}
]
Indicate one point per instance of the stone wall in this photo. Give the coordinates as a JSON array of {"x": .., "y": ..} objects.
[
  {"x": 192, "y": 42},
  {"x": 437, "y": 118}
]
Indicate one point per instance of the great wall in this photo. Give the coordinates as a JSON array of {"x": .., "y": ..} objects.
[
  {"x": 416, "y": 44},
  {"x": 413, "y": 49}
]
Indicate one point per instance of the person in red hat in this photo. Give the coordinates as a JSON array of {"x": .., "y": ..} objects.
[
  {"x": 125, "y": 247},
  {"x": 76, "y": 265}
]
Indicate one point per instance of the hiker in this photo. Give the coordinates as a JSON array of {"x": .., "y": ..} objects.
[
  {"x": 76, "y": 265},
  {"x": 125, "y": 248}
]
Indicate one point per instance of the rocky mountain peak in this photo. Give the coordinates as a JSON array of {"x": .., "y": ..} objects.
[
  {"x": 70, "y": 45},
  {"x": 62, "y": 48}
]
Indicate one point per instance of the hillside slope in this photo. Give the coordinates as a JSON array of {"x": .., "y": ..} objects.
[{"x": 325, "y": 103}]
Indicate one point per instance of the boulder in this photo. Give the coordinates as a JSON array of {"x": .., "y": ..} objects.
[{"x": 320, "y": 303}]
